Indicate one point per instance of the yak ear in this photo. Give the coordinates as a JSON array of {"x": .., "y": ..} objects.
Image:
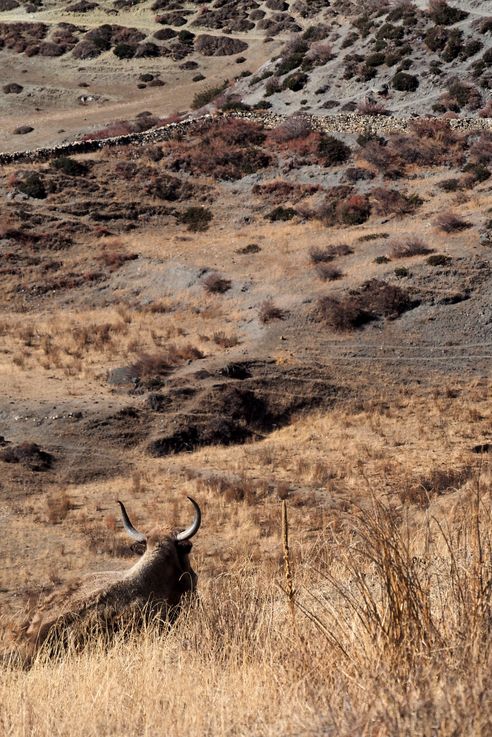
[
  {"x": 139, "y": 547},
  {"x": 184, "y": 546}
]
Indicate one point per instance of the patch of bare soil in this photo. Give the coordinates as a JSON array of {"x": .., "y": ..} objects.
[{"x": 251, "y": 400}]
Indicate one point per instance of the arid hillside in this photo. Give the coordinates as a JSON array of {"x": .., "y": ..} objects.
[
  {"x": 249, "y": 314},
  {"x": 207, "y": 292},
  {"x": 72, "y": 70}
]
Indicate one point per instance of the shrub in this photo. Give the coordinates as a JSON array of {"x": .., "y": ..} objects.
[
  {"x": 390, "y": 32},
  {"x": 32, "y": 185},
  {"x": 292, "y": 57},
  {"x": 381, "y": 299},
  {"x": 295, "y": 82},
  {"x": 392, "y": 201},
  {"x": 164, "y": 34},
  {"x": 269, "y": 311},
  {"x": 326, "y": 272},
  {"x": 224, "y": 340},
  {"x": 355, "y": 210},
  {"x": 295, "y": 127},
  {"x": 438, "y": 259},
  {"x": 216, "y": 284},
  {"x": 404, "y": 82},
  {"x": 436, "y": 38},
  {"x": 342, "y": 314},
  {"x": 329, "y": 253},
  {"x": 204, "y": 97},
  {"x": 465, "y": 94},
  {"x": 449, "y": 185},
  {"x": 196, "y": 218},
  {"x": 408, "y": 247},
  {"x": 486, "y": 25},
  {"x": 219, "y": 45},
  {"x": 401, "y": 272},
  {"x": 319, "y": 54},
  {"x": 445, "y": 14},
  {"x": 375, "y": 59},
  {"x": 69, "y": 166},
  {"x": 372, "y": 108},
  {"x": 454, "y": 46},
  {"x": 333, "y": 150},
  {"x": 372, "y": 237},
  {"x": 450, "y": 222},
  {"x": 144, "y": 51},
  {"x": 281, "y": 213},
  {"x": 186, "y": 37},
  {"x": 124, "y": 51}
]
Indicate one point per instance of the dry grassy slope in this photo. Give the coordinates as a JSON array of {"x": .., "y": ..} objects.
[{"x": 409, "y": 398}]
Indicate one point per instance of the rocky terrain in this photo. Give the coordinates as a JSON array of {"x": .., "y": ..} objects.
[{"x": 105, "y": 63}]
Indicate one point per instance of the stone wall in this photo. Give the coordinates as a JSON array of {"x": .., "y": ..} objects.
[{"x": 343, "y": 123}]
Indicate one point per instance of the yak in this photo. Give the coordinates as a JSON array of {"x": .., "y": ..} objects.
[{"x": 106, "y": 603}]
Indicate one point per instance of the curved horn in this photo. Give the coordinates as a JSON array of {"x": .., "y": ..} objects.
[
  {"x": 195, "y": 525},
  {"x": 128, "y": 525}
]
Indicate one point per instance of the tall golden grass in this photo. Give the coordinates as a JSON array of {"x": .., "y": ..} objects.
[{"x": 389, "y": 634}]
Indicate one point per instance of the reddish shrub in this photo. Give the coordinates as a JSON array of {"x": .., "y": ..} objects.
[
  {"x": 295, "y": 127},
  {"x": 355, "y": 210},
  {"x": 119, "y": 128},
  {"x": 392, "y": 201},
  {"x": 372, "y": 108}
]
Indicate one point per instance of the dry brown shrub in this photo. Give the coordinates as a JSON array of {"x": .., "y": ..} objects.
[
  {"x": 58, "y": 506},
  {"x": 450, "y": 222},
  {"x": 224, "y": 340},
  {"x": 326, "y": 272},
  {"x": 343, "y": 314},
  {"x": 269, "y": 311},
  {"x": 154, "y": 364},
  {"x": 329, "y": 253},
  {"x": 393, "y": 202},
  {"x": 407, "y": 247},
  {"x": 216, "y": 284}
]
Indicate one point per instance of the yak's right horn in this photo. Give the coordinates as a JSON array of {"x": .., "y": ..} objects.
[{"x": 128, "y": 525}]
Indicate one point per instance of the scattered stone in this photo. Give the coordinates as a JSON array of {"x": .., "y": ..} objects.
[{"x": 22, "y": 130}]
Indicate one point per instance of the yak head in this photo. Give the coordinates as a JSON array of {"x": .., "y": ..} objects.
[{"x": 164, "y": 568}]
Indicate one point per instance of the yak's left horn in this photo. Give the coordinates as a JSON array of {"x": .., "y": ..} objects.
[
  {"x": 195, "y": 525},
  {"x": 128, "y": 525}
]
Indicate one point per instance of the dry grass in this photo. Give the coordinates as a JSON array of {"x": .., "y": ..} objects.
[{"x": 389, "y": 635}]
